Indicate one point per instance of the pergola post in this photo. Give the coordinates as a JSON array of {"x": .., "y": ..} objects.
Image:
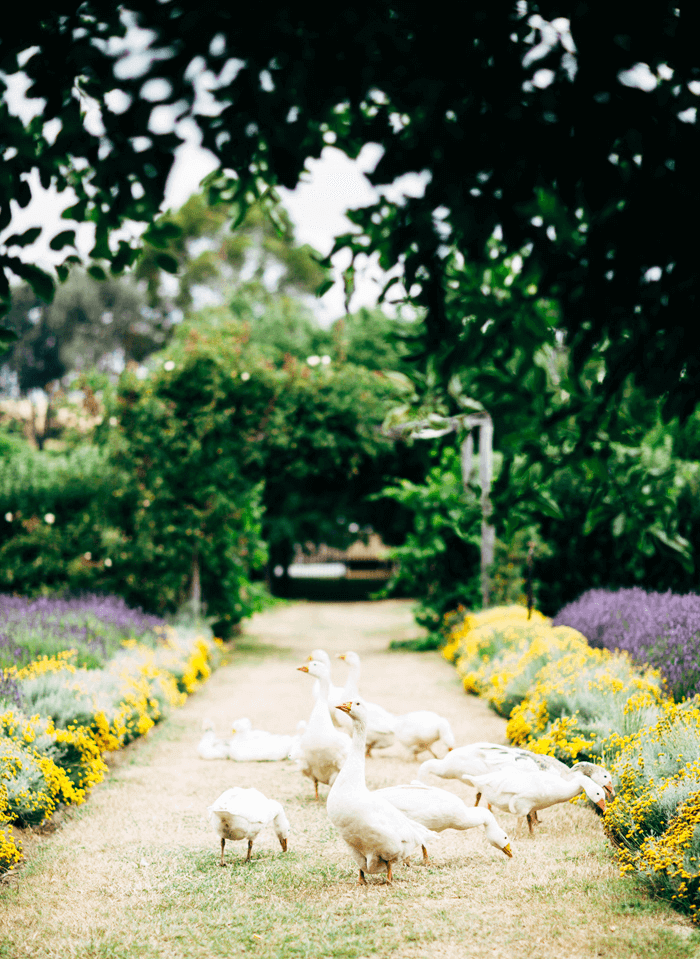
[
  {"x": 425, "y": 429},
  {"x": 488, "y": 532}
]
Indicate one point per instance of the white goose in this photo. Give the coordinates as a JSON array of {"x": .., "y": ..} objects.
[
  {"x": 522, "y": 792},
  {"x": 420, "y": 730},
  {"x": 479, "y": 759},
  {"x": 210, "y": 746},
  {"x": 257, "y": 745},
  {"x": 380, "y": 722},
  {"x": 438, "y": 809},
  {"x": 241, "y": 813},
  {"x": 322, "y": 749},
  {"x": 335, "y": 693},
  {"x": 376, "y": 832}
]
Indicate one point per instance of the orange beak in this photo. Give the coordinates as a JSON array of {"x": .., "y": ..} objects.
[
  {"x": 340, "y": 656},
  {"x": 507, "y": 851},
  {"x": 346, "y": 707},
  {"x": 303, "y": 669},
  {"x": 601, "y": 804}
]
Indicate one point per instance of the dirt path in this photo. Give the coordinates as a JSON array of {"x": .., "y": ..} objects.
[{"x": 133, "y": 873}]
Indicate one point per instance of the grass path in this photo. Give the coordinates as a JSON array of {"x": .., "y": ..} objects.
[{"x": 134, "y": 873}]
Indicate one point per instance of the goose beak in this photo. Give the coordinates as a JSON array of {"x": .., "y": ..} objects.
[
  {"x": 340, "y": 656},
  {"x": 601, "y": 804},
  {"x": 309, "y": 658},
  {"x": 609, "y": 792},
  {"x": 450, "y": 748},
  {"x": 346, "y": 707},
  {"x": 303, "y": 669},
  {"x": 507, "y": 851}
]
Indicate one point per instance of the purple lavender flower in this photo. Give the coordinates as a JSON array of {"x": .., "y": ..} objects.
[
  {"x": 658, "y": 629},
  {"x": 94, "y": 625}
]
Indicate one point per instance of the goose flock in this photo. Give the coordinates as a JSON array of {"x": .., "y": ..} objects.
[{"x": 385, "y": 827}]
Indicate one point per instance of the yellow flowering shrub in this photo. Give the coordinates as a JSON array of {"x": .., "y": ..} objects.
[
  {"x": 504, "y": 679},
  {"x": 498, "y": 617},
  {"x": 579, "y": 703},
  {"x": 54, "y": 755},
  {"x": 574, "y": 702},
  {"x": 655, "y": 818}
]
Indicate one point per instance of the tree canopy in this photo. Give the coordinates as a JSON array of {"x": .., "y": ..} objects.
[{"x": 573, "y": 142}]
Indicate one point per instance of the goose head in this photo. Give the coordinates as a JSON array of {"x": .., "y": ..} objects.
[
  {"x": 242, "y": 725},
  {"x": 431, "y": 766},
  {"x": 356, "y": 710},
  {"x": 281, "y": 824},
  {"x": 598, "y": 774},
  {"x": 595, "y": 793},
  {"x": 321, "y": 656},
  {"x": 315, "y": 667},
  {"x": 352, "y": 659},
  {"x": 498, "y": 838}
]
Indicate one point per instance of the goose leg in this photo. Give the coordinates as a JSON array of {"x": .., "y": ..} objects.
[
  {"x": 250, "y": 849},
  {"x": 529, "y": 822},
  {"x": 535, "y": 818},
  {"x": 362, "y": 881},
  {"x": 478, "y": 799},
  {"x": 316, "y": 787},
  {"x": 388, "y": 872},
  {"x": 426, "y": 858},
  {"x": 221, "y": 862}
]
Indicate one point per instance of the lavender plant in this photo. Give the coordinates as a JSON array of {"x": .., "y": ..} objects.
[
  {"x": 656, "y": 629},
  {"x": 95, "y": 626}
]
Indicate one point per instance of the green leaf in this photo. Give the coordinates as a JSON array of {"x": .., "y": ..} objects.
[
  {"x": 7, "y": 338},
  {"x": 324, "y": 287},
  {"x": 24, "y": 239},
  {"x": 65, "y": 238},
  {"x": 167, "y": 262},
  {"x": 96, "y": 272},
  {"x": 594, "y": 516},
  {"x": 160, "y": 234},
  {"x": 41, "y": 283}
]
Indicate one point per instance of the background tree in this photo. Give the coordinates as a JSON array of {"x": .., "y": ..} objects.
[{"x": 219, "y": 249}]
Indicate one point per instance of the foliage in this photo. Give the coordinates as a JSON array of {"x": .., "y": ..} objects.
[
  {"x": 661, "y": 629},
  {"x": 211, "y": 246},
  {"x": 600, "y": 196},
  {"x": 577, "y": 706},
  {"x": 632, "y": 509},
  {"x": 93, "y": 627},
  {"x": 654, "y": 819},
  {"x": 217, "y": 417},
  {"x": 582, "y": 703},
  {"x": 53, "y": 734},
  {"x": 89, "y": 323},
  {"x": 438, "y": 563},
  {"x": 57, "y": 532},
  {"x": 187, "y": 509}
]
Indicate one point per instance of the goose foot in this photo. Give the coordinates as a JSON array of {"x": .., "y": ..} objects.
[
  {"x": 362, "y": 881},
  {"x": 250, "y": 849},
  {"x": 426, "y": 858}
]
